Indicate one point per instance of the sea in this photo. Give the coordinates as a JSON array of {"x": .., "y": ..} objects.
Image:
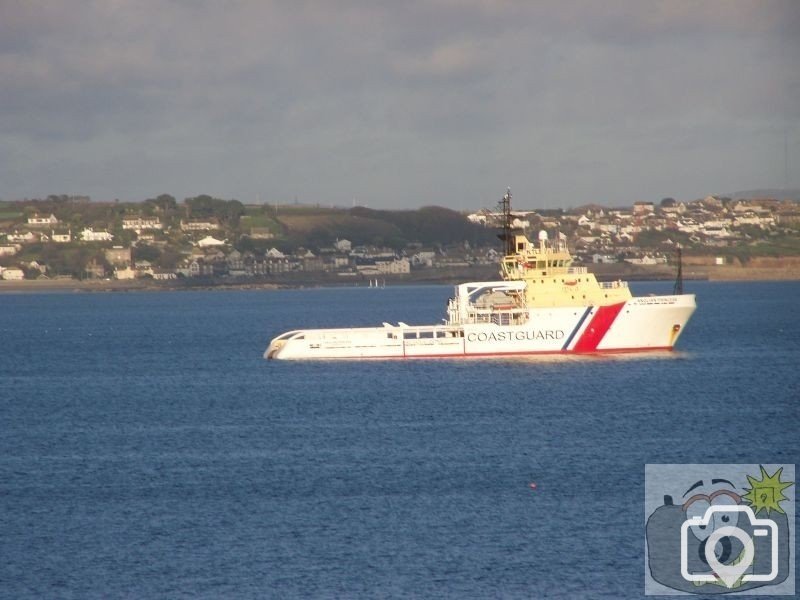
[{"x": 148, "y": 450}]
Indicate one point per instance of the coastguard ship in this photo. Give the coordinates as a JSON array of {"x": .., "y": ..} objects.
[{"x": 542, "y": 305}]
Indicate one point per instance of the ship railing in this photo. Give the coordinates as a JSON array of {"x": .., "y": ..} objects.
[
  {"x": 497, "y": 317},
  {"x": 612, "y": 285},
  {"x": 576, "y": 271}
]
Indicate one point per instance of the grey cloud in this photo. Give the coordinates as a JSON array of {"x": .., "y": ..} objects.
[{"x": 400, "y": 100}]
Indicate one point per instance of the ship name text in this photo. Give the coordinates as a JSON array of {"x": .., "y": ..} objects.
[{"x": 515, "y": 336}]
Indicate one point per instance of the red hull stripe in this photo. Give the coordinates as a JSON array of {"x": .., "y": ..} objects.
[{"x": 597, "y": 328}]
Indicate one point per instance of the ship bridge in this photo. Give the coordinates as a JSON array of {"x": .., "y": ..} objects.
[{"x": 551, "y": 280}]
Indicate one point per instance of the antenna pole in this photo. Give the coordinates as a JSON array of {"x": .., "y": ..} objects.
[
  {"x": 505, "y": 209},
  {"x": 678, "y": 288}
]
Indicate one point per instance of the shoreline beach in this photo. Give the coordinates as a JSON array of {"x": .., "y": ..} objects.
[{"x": 603, "y": 272}]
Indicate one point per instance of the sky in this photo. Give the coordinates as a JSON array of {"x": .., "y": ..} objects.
[{"x": 399, "y": 104}]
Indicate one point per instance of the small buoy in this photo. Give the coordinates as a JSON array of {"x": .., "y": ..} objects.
[{"x": 532, "y": 485}]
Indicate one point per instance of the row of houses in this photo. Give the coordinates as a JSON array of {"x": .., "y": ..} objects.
[
  {"x": 135, "y": 223},
  {"x": 216, "y": 262},
  {"x": 59, "y": 237},
  {"x": 710, "y": 221}
]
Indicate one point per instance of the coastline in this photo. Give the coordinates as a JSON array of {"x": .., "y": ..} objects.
[{"x": 429, "y": 277}]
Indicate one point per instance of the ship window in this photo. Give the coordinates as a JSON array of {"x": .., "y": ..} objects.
[
  {"x": 426, "y": 334},
  {"x": 410, "y": 335},
  {"x": 540, "y": 264}
]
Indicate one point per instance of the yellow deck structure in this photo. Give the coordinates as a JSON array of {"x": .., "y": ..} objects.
[{"x": 551, "y": 280}]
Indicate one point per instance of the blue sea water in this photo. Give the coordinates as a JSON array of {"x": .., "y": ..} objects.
[{"x": 147, "y": 450}]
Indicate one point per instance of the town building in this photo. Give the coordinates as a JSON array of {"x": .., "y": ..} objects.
[
  {"x": 343, "y": 245},
  {"x": 37, "y": 220},
  {"x": 210, "y": 241},
  {"x": 12, "y": 274},
  {"x": 199, "y": 225},
  {"x": 261, "y": 233},
  {"x": 25, "y": 237},
  {"x": 118, "y": 256},
  {"x": 89, "y": 235},
  {"x": 140, "y": 223},
  {"x": 125, "y": 273},
  {"x": 61, "y": 237}
]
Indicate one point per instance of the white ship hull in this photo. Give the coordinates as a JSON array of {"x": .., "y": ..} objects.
[{"x": 638, "y": 325}]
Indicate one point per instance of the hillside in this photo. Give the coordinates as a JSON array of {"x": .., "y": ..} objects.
[
  {"x": 778, "y": 194},
  {"x": 430, "y": 225}
]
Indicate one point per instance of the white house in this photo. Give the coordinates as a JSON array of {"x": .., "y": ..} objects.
[
  {"x": 164, "y": 274},
  {"x": 89, "y": 235},
  {"x": 715, "y": 230},
  {"x": 38, "y": 220},
  {"x": 647, "y": 260},
  {"x": 397, "y": 266},
  {"x": 13, "y": 274},
  {"x": 199, "y": 225},
  {"x": 643, "y": 208},
  {"x": 261, "y": 233},
  {"x": 423, "y": 259},
  {"x": 750, "y": 219},
  {"x": 143, "y": 267},
  {"x": 343, "y": 245},
  {"x": 24, "y": 238},
  {"x": 275, "y": 253},
  {"x": 520, "y": 224},
  {"x": 10, "y": 249},
  {"x": 140, "y": 223},
  {"x": 125, "y": 273},
  {"x": 210, "y": 241},
  {"x": 61, "y": 238}
]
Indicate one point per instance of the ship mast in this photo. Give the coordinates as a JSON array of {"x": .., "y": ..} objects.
[
  {"x": 678, "y": 288},
  {"x": 504, "y": 207}
]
